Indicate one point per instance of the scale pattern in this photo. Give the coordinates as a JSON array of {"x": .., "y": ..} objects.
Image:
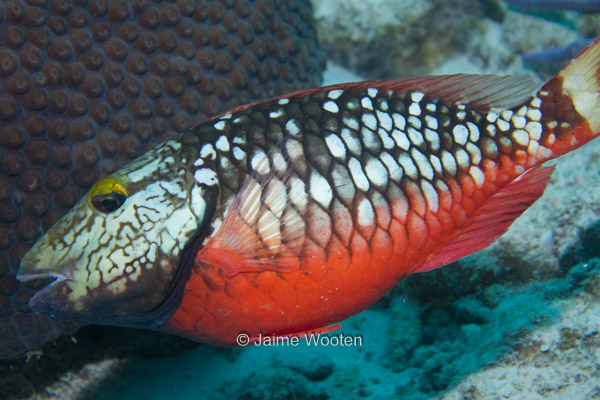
[
  {"x": 87, "y": 86},
  {"x": 348, "y": 189}
]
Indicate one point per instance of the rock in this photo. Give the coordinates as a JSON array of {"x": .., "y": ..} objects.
[
  {"x": 314, "y": 369},
  {"x": 385, "y": 39}
]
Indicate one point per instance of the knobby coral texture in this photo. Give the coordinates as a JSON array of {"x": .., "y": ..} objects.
[{"x": 89, "y": 85}]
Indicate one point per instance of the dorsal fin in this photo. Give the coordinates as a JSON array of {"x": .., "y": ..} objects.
[
  {"x": 495, "y": 217},
  {"x": 264, "y": 228},
  {"x": 480, "y": 92}
]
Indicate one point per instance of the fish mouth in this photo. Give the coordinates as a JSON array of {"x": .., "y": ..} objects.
[
  {"x": 57, "y": 276},
  {"x": 44, "y": 283}
]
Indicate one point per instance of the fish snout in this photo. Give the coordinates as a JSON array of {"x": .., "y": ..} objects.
[
  {"x": 37, "y": 264},
  {"x": 42, "y": 275}
]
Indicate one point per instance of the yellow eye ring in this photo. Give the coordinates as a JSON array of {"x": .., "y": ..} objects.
[{"x": 108, "y": 194}]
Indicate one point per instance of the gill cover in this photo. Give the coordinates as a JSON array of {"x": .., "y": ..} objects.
[{"x": 115, "y": 255}]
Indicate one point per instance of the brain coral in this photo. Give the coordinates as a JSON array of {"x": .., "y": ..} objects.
[{"x": 87, "y": 85}]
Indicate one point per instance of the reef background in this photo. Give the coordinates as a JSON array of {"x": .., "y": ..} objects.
[{"x": 517, "y": 320}]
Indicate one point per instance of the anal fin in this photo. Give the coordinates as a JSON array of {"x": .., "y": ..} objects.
[
  {"x": 495, "y": 217},
  {"x": 300, "y": 335}
]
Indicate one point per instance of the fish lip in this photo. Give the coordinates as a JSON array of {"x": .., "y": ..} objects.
[
  {"x": 58, "y": 277},
  {"x": 43, "y": 296}
]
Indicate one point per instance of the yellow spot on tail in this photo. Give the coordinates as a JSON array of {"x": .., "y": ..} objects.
[{"x": 581, "y": 80}]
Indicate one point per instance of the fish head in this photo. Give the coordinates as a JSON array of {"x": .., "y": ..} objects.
[{"x": 114, "y": 256}]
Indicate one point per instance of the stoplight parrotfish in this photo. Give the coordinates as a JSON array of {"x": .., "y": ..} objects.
[{"x": 294, "y": 213}]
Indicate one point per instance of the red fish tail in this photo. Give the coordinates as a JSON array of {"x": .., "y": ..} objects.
[{"x": 570, "y": 104}]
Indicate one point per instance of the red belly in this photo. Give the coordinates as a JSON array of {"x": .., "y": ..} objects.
[
  {"x": 332, "y": 284},
  {"x": 216, "y": 308}
]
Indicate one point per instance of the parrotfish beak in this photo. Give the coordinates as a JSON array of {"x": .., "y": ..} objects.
[{"x": 45, "y": 301}]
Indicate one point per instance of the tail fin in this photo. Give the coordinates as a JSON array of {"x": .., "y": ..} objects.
[{"x": 581, "y": 80}]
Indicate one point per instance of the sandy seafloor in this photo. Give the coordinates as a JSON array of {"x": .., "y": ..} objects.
[{"x": 519, "y": 320}]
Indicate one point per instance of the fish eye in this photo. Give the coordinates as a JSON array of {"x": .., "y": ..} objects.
[
  {"x": 108, "y": 194},
  {"x": 108, "y": 202}
]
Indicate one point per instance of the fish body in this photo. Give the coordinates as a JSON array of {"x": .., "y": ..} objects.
[{"x": 294, "y": 213}]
